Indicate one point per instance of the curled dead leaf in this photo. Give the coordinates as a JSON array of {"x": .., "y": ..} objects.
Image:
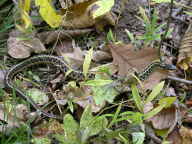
[
  {"x": 19, "y": 48},
  {"x": 185, "y": 50}
]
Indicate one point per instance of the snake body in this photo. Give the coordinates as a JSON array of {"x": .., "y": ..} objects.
[
  {"x": 36, "y": 60},
  {"x": 63, "y": 66}
]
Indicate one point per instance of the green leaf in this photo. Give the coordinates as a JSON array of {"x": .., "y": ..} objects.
[
  {"x": 115, "y": 116},
  {"x": 130, "y": 35},
  {"x": 87, "y": 62},
  {"x": 71, "y": 130},
  {"x": 97, "y": 82},
  {"x": 48, "y": 13},
  {"x": 156, "y": 90},
  {"x": 137, "y": 97},
  {"x": 42, "y": 140},
  {"x": 37, "y": 95},
  {"x": 90, "y": 125},
  {"x": 154, "y": 111},
  {"x": 132, "y": 117},
  {"x": 104, "y": 93},
  {"x": 168, "y": 101},
  {"x": 110, "y": 36},
  {"x": 138, "y": 137},
  {"x": 101, "y": 7},
  {"x": 144, "y": 15},
  {"x": 162, "y": 1},
  {"x": 97, "y": 125},
  {"x": 86, "y": 117}
]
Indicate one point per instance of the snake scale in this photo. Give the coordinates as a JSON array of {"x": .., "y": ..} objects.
[{"x": 62, "y": 65}]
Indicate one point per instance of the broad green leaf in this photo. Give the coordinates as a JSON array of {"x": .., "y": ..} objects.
[
  {"x": 162, "y": 1},
  {"x": 87, "y": 62},
  {"x": 97, "y": 125},
  {"x": 137, "y": 97},
  {"x": 90, "y": 125},
  {"x": 104, "y": 93},
  {"x": 154, "y": 111},
  {"x": 71, "y": 130},
  {"x": 37, "y": 95},
  {"x": 138, "y": 137},
  {"x": 101, "y": 7},
  {"x": 86, "y": 117},
  {"x": 97, "y": 82},
  {"x": 168, "y": 101},
  {"x": 156, "y": 90},
  {"x": 48, "y": 13}
]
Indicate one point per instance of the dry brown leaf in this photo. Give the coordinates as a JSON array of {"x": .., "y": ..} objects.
[
  {"x": 129, "y": 60},
  {"x": 71, "y": 53},
  {"x": 101, "y": 56},
  {"x": 77, "y": 16},
  {"x": 45, "y": 128},
  {"x": 126, "y": 57},
  {"x": 164, "y": 119},
  {"x": 185, "y": 50},
  {"x": 186, "y": 134},
  {"x": 19, "y": 48},
  {"x": 13, "y": 117},
  {"x": 174, "y": 137}
]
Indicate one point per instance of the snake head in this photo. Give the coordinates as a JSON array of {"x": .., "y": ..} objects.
[{"x": 168, "y": 66}]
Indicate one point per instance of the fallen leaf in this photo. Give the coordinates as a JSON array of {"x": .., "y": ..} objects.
[
  {"x": 129, "y": 60},
  {"x": 164, "y": 119},
  {"x": 75, "y": 57},
  {"x": 175, "y": 137},
  {"x": 186, "y": 134},
  {"x": 14, "y": 116},
  {"x": 126, "y": 57},
  {"x": 45, "y": 128},
  {"x": 21, "y": 47},
  {"x": 101, "y": 56},
  {"x": 185, "y": 50}
]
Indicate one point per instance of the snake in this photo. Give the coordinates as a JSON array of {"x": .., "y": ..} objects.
[{"x": 63, "y": 66}]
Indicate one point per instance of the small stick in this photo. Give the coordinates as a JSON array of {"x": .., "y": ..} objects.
[{"x": 179, "y": 79}]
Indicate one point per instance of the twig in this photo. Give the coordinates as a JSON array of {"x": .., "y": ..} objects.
[
  {"x": 179, "y": 80},
  {"x": 167, "y": 29}
]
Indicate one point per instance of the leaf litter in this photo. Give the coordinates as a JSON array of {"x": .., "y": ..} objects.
[{"x": 96, "y": 94}]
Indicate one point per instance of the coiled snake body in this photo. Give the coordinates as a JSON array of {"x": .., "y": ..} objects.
[{"x": 62, "y": 65}]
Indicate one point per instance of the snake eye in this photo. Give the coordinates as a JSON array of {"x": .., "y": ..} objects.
[{"x": 168, "y": 66}]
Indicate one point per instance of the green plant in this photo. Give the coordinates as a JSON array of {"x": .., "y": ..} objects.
[
  {"x": 153, "y": 30},
  {"x": 79, "y": 133}
]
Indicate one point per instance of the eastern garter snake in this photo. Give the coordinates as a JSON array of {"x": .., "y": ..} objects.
[{"x": 62, "y": 65}]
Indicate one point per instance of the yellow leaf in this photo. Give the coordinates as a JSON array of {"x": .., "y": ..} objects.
[
  {"x": 25, "y": 5},
  {"x": 48, "y": 13},
  {"x": 87, "y": 62},
  {"x": 101, "y": 7}
]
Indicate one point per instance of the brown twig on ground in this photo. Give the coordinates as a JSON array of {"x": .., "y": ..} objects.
[{"x": 179, "y": 79}]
